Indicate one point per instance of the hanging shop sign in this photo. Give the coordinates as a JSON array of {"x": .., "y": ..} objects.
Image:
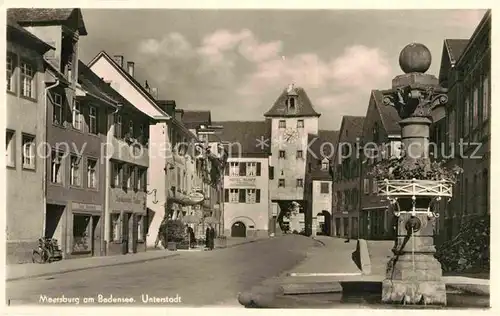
[{"x": 196, "y": 197}]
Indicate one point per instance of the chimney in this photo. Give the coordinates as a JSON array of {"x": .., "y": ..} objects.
[
  {"x": 179, "y": 113},
  {"x": 154, "y": 93},
  {"x": 130, "y": 68},
  {"x": 168, "y": 106},
  {"x": 119, "y": 60}
]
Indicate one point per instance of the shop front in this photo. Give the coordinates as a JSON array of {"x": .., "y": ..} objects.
[{"x": 84, "y": 230}]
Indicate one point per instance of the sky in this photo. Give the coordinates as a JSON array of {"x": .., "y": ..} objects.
[{"x": 236, "y": 63}]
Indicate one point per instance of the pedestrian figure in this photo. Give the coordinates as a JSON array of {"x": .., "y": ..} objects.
[
  {"x": 161, "y": 237},
  {"x": 209, "y": 237}
]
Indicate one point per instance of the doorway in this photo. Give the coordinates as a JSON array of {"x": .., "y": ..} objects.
[
  {"x": 53, "y": 229},
  {"x": 238, "y": 230}
]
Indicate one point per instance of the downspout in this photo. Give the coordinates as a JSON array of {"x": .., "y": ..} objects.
[
  {"x": 107, "y": 182},
  {"x": 45, "y": 138}
]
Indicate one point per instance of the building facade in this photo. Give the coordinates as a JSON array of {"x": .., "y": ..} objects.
[
  {"x": 292, "y": 119},
  {"x": 247, "y": 208},
  {"x": 466, "y": 127},
  {"x": 347, "y": 167},
  {"x": 381, "y": 139},
  {"x": 318, "y": 183},
  {"x": 25, "y": 135}
]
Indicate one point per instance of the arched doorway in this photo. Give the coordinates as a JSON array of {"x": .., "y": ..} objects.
[
  {"x": 326, "y": 226},
  {"x": 238, "y": 230}
]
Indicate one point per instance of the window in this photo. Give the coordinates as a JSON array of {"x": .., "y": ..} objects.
[
  {"x": 81, "y": 233},
  {"x": 93, "y": 120},
  {"x": 115, "y": 227},
  {"x": 233, "y": 196},
  {"x": 55, "y": 167},
  {"x": 127, "y": 174},
  {"x": 291, "y": 103},
  {"x": 27, "y": 80},
  {"x": 300, "y": 154},
  {"x": 118, "y": 126},
  {"x": 116, "y": 174},
  {"x": 234, "y": 169},
  {"x": 141, "y": 179},
  {"x": 242, "y": 195},
  {"x": 28, "y": 151},
  {"x": 10, "y": 148},
  {"x": 282, "y": 154},
  {"x": 282, "y": 124},
  {"x": 251, "y": 168},
  {"x": 281, "y": 183},
  {"x": 325, "y": 188},
  {"x": 92, "y": 173},
  {"x": 300, "y": 183},
  {"x": 475, "y": 108},
  {"x": 374, "y": 186},
  {"x": 486, "y": 191},
  {"x": 366, "y": 186},
  {"x": 251, "y": 196},
  {"x": 11, "y": 66},
  {"x": 325, "y": 164},
  {"x": 466, "y": 117},
  {"x": 77, "y": 115},
  {"x": 75, "y": 171},
  {"x": 131, "y": 128},
  {"x": 486, "y": 98},
  {"x": 57, "y": 110},
  {"x": 140, "y": 228},
  {"x": 300, "y": 123}
]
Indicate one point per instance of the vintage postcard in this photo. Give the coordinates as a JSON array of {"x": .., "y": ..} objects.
[{"x": 264, "y": 158}]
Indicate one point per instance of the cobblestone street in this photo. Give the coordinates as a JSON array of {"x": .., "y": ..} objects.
[{"x": 198, "y": 278}]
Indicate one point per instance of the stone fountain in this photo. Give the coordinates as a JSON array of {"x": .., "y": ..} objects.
[{"x": 414, "y": 276}]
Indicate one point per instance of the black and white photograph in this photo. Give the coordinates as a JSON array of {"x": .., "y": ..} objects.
[{"x": 272, "y": 158}]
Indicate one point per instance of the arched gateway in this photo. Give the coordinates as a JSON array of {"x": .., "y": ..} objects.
[{"x": 238, "y": 230}]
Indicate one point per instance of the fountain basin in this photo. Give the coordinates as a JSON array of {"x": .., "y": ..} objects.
[{"x": 358, "y": 294}]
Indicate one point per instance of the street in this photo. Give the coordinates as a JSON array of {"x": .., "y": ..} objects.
[{"x": 191, "y": 279}]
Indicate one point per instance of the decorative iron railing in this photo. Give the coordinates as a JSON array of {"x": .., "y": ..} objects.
[{"x": 415, "y": 187}]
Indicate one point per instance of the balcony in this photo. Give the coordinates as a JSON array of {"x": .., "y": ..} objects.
[{"x": 414, "y": 187}]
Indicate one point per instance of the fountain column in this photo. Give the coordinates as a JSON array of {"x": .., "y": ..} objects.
[{"x": 413, "y": 275}]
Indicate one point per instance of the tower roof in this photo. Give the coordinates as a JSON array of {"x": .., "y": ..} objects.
[{"x": 303, "y": 105}]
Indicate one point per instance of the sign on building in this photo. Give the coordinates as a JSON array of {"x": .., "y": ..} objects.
[{"x": 240, "y": 182}]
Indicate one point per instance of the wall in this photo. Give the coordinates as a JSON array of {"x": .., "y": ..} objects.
[
  {"x": 321, "y": 201},
  {"x": 256, "y": 215},
  {"x": 292, "y": 167},
  {"x": 24, "y": 189}
]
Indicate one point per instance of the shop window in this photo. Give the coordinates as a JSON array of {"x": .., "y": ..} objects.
[{"x": 81, "y": 233}]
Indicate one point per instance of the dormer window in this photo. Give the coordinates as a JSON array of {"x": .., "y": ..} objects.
[
  {"x": 291, "y": 103},
  {"x": 68, "y": 55},
  {"x": 325, "y": 164}
]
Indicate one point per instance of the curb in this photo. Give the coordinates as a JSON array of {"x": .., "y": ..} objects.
[
  {"x": 87, "y": 268},
  {"x": 243, "y": 243},
  {"x": 319, "y": 241},
  {"x": 364, "y": 256}
]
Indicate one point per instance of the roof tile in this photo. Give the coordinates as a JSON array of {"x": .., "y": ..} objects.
[{"x": 304, "y": 106}]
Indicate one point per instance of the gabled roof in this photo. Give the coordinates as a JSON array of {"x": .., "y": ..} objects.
[
  {"x": 452, "y": 50},
  {"x": 17, "y": 33},
  {"x": 193, "y": 119},
  {"x": 35, "y": 16},
  {"x": 323, "y": 146},
  {"x": 303, "y": 107},
  {"x": 94, "y": 85},
  {"x": 354, "y": 127},
  {"x": 129, "y": 78},
  {"x": 388, "y": 114},
  {"x": 484, "y": 23},
  {"x": 254, "y": 137}
]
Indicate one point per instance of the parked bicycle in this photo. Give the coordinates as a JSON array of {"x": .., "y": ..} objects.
[{"x": 47, "y": 251}]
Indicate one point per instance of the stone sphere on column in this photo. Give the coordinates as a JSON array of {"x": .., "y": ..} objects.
[{"x": 415, "y": 57}]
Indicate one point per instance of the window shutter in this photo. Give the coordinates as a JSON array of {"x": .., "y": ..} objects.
[
  {"x": 112, "y": 173},
  {"x": 271, "y": 173},
  {"x": 242, "y": 195},
  {"x": 257, "y": 196},
  {"x": 258, "y": 168},
  {"x": 226, "y": 195},
  {"x": 243, "y": 169}
]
